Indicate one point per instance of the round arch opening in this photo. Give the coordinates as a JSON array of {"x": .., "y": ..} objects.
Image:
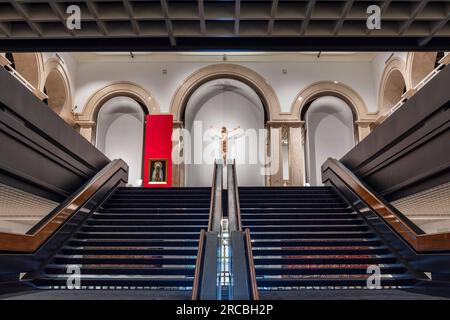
[
  {"x": 422, "y": 64},
  {"x": 120, "y": 133},
  {"x": 56, "y": 92},
  {"x": 223, "y": 103},
  {"x": 394, "y": 88},
  {"x": 28, "y": 65},
  {"x": 330, "y": 132}
]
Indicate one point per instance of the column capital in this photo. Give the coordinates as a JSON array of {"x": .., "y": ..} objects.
[
  {"x": 287, "y": 123},
  {"x": 86, "y": 124},
  {"x": 178, "y": 124}
]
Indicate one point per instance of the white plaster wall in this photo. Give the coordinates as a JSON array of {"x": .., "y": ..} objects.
[
  {"x": 120, "y": 133},
  {"x": 92, "y": 76},
  {"x": 228, "y": 103},
  {"x": 330, "y": 133}
]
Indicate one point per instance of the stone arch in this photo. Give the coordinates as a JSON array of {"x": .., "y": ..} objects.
[
  {"x": 330, "y": 88},
  {"x": 56, "y": 85},
  {"x": 392, "y": 85},
  {"x": 30, "y": 66},
  {"x": 121, "y": 88},
  {"x": 87, "y": 119},
  {"x": 418, "y": 66},
  {"x": 230, "y": 71}
]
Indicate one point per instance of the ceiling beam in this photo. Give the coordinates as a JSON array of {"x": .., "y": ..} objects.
[
  {"x": 61, "y": 15},
  {"x": 419, "y": 7},
  {"x": 169, "y": 26},
  {"x": 201, "y": 14},
  {"x": 93, "y": 10},
  {"x": 237, "y": 13},
  {"x": 129, "y": 11},
  {"x": 309, "y": 11},
  {"x": 345, "y": 11},
  {"x": 5, "y": 30},
  {"x": 24, "y": 15},
  {"x": 437, "y": 27},
  {"x": 273, "y": 15}
]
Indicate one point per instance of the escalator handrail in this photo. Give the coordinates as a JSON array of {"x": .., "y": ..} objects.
[
  {"x": 234, "y": 208},
  {"x": 251, "y": 266},
  {"x": 30, "y": 242},
  {"x": 199, "y": 266},
  {"x": 431, "y": 242},
  {"x": 215, "y": 208}
]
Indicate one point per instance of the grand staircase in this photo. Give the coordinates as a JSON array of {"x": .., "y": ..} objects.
[
  {"x": 138, "y": 239},
  {"x": 309, "y": 237}
]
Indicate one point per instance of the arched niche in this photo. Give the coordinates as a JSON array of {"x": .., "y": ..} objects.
[
  {"x": 420, "y": 65},
  {"x": 392, "y": 85},
  {"x": 56, "y": 86},
  {"x": 330, "y": 88},
  {"x": 232, "y": 104},
  {"x": 225, "y": 71},
  {"x": 329, "y": 123},
  {"x": 87, "y": 118},
  {"x": 29, "y": 65},
  {"x": 120, "y": 133}
]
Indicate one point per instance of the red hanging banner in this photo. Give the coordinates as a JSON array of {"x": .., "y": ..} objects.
[{"x": 158, "y": 151}]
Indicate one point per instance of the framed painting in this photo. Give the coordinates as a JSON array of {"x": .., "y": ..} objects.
[{"x": 158, "y": 171}]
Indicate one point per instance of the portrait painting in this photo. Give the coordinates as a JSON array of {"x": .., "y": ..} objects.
[{"x": 158, "y": 171}]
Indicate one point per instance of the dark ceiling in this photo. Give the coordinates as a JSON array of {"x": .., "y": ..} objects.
[{"x": 223, "y": 24}]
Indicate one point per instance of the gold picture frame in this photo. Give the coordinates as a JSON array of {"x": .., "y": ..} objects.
[{"x": 157, "y": 171}]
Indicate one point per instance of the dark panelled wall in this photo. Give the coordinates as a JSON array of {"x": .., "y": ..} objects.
[
  {"x": 39, "y": 152},
  {"x": 410, "y": 151}
]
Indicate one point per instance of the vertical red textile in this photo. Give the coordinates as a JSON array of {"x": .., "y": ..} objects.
[{"x": 158, "y": 151}]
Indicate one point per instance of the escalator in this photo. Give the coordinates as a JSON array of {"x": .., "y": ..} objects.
[
  {"x": 309, "y": 237},
  {"x": 138, "y": 239}
]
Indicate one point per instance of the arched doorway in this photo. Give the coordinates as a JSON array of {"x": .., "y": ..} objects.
[
  {"x": 347, "y": 99},
  {"x": 329, "y": 133},
  {"x": 246, "y": 76},
  {"x": 223, "y": 103},
  {"x": 120, "y": 133}
]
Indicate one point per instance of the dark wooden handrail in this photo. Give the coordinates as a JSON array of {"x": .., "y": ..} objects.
[
  {"x": 29, "y": 243},
  {"x": 251, "y": 266},
  {"x": 420, "y": 242},
  {"x": 215, "y": 208},
  {"x": 199, "y": 266},
  {"x": 236, "y": 199},
  {"x": 234, "y": 209}
]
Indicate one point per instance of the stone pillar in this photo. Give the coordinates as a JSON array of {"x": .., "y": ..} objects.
[
  {"x": 274, "y": 161},
  {"x": 363, "y": 128},
  {"x": 292, "y": 133},
  {"x": 177, "y": 155},
  {"x": 87, "y": 130},
  {"x": 297, "y": 168}
]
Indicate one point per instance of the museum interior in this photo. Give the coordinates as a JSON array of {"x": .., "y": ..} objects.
[{"x": 185, "y": 170}]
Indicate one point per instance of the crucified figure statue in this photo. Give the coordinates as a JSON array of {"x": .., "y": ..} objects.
[{"x": 225, "y": 135}]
